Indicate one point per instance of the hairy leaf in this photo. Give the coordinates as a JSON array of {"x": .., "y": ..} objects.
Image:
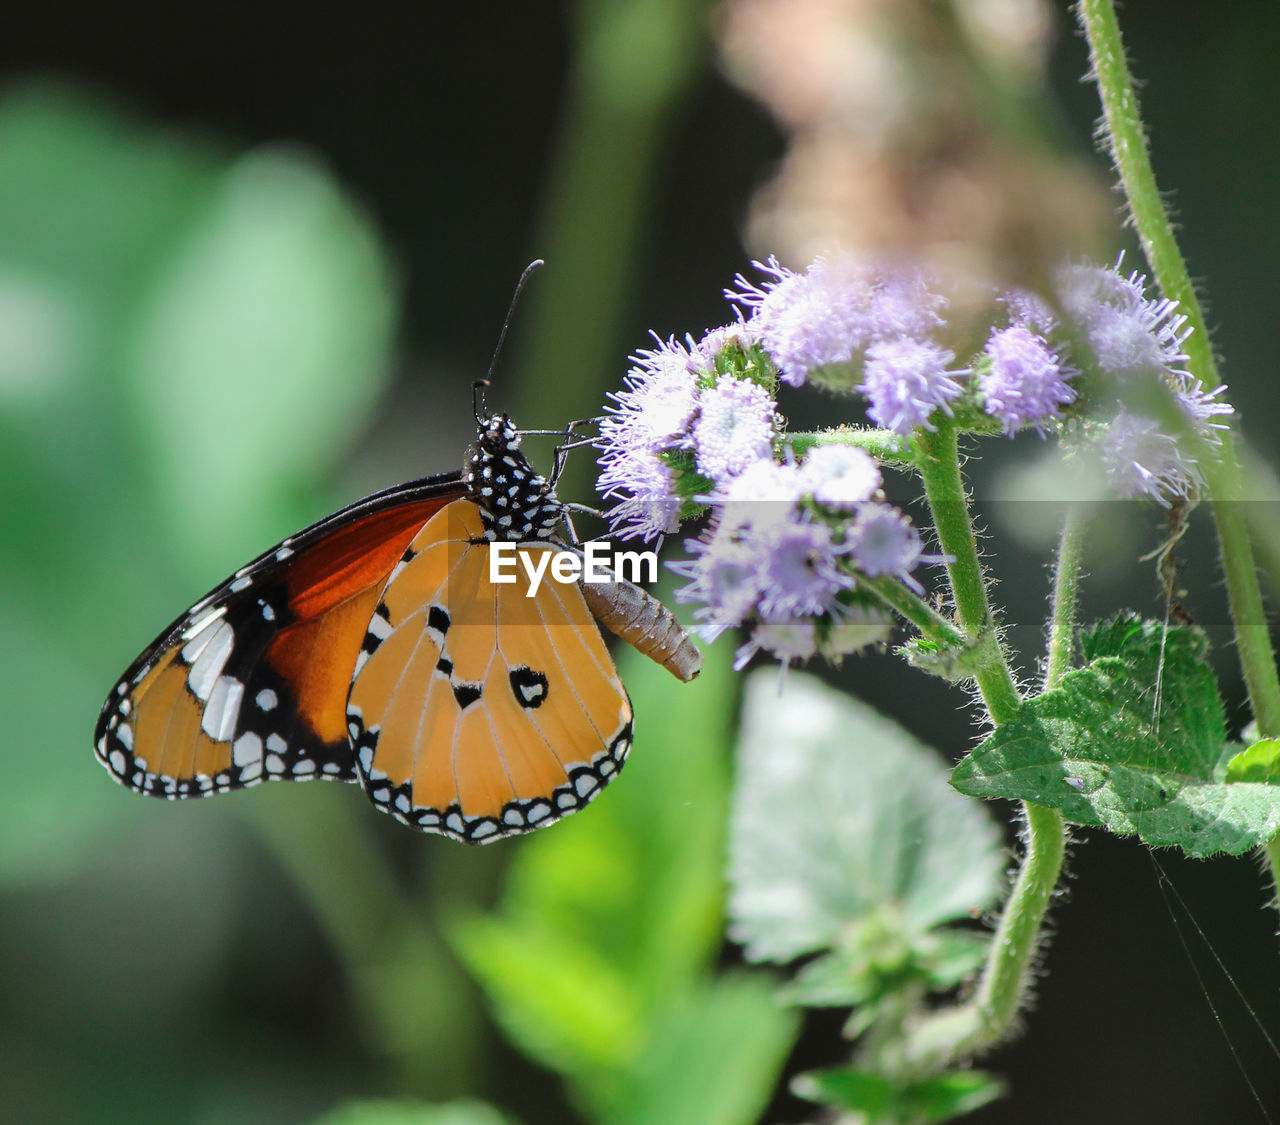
[{"x": 1132, "y": 742}]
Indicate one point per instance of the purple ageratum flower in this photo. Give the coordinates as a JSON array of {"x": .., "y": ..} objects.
[
  {"x": 830, "y": 313},
  {"x": 809, "y": 320},
  {"x": 839, "y": 476},
  {"x": 650, "y": 506},
  {"x": 656, "y": 409},
  {"x": 734, "y": 428},
  {"x": 800, "y": 575},
  {"x": 792, "y": 639},
  {"x": 705, "y": 351},
  {"x": 1139, "y": 460},
  {"x": 884, "y": 541},
  {"x": 1127, "y": 331},
  {"x": 763, "y": 493},
  {"x": 725, "y": 575},
  {"x": 1025, "y": 382},
  {"x": 1202, "y": 406},
  {"x": 1030, "y": 310},
  {"x": 905, "y": 380},
  {"x": 902, "y": 304}
]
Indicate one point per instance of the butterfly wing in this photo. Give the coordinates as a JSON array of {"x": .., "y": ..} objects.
[
  {"x": 476, "y": 711},
  {"x": 250, "y": 683}
]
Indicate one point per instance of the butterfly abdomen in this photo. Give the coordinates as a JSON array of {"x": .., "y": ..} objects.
[{"x": 644, "y": 623}]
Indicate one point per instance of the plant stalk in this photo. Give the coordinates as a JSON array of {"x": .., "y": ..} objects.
[
  {"x": 1128, "y": 149},
  {"x": 987, "y": 1018},
  {"x": 938, "y": 460}
]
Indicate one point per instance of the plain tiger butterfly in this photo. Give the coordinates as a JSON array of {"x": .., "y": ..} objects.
[{"x": 372, "y": 648}]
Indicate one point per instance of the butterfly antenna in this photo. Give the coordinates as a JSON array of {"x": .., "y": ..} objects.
[
  {"x": 478, "y": 407},
  {"x": 478, "y": 386}
]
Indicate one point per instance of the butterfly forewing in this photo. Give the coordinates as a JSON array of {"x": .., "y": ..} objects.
[
  {"x": 250, "y": 683},
  {"x": 477, "y": 711}
]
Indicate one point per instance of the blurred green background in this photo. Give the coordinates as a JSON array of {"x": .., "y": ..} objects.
[{"x": 249, "y": 265}]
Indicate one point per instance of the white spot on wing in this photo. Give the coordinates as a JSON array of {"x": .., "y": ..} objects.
[
  {"x": 246, "y": 750},
  {"x": 242, "y": 583},
  {"x": 201, "y": 624},
  {"x": 266, "y": 699},
  {"x": 222, "y": 709},
  {"x": 209, "y": 659}
]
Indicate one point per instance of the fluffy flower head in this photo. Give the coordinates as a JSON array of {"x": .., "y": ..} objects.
[
  {"x": 905, "y": 381},
  {"x": 1025, "y": 382},
  {"x": 734, "y": 428}
]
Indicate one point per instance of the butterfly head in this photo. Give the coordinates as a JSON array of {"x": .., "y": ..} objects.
[{"x": 517, "y": 503}]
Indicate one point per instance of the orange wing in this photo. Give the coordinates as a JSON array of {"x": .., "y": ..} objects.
[
  {"x": 250, "y": 684},
  {"x": 478, "y": 712}
]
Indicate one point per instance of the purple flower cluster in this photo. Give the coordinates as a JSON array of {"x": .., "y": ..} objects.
[
  {"x": 676, "y": 405},
  {"x": 841, "y": 313},
  {"x": 1137, "y": 346},
  {"x": 1024, "y": 381},
  {"x": 791, "y": 546},
  {"x": 785, "y": 550}
]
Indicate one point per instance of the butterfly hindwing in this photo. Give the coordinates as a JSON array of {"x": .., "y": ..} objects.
[
  {"x": 476, "y": 711},
  {"x": 250, "y": 683}
]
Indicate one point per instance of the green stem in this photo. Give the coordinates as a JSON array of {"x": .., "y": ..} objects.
[
  {"x": 1151, "y": 221},
  {"x": 938, "y": 460},
  {"x": 984, "y": 1020},
  {"x": 915, "y": 609},
  {"x": 883, "y": 445},
  {"x": 1066, "y": 582}
]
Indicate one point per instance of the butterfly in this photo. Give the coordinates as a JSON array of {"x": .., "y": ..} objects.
[{"x": 373, "y": 647}]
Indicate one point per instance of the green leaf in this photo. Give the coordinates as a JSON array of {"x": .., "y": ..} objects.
[
  {"x": 1106, "y": 750},
  {"x": 1260, "y": 762},
  {"x": 464, "y": 1112},
  {"x": 262, "y": 347},
  {"x": 841, "y": 819},
  {"x": 941, "y": 1098},
  {"x": 713, "y": 1060}
]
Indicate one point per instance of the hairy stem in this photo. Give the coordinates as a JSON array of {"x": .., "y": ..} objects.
[
  {"x": 938, "y": 460},
  {"x": 1128, "y": 148},
  {"x": 986, "y": 1019},
  {"x": 1066, "y": 581},
  {"x": 884, "y": 445},
  {"x": 915, "y": 609}
]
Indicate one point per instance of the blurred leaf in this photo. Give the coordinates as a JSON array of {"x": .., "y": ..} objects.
[
  {"x": 1259, "y": 762},
  {"x": 463, "y": 1112},
  {"x": 842, "y": 819},
  {"x": 1101, "y": 749},
  {"x": 943, "y": 1098},
  {"x": 261, "y": 347},
  {"x": 713, "y": 1060},
  {"x": 848, "y": 976},
  {"x": 184, "y": 341},
  {"x": 615, "y": 914}
]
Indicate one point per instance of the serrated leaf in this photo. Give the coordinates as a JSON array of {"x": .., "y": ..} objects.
[
  {"x": 1106, "y": 749},
  {"x": 1259, "y": 762},
  {"x": 842, "y": 819}
]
